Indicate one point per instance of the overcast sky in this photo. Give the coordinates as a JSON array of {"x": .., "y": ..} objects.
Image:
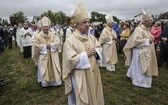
[{"x": 123, "y": 9}]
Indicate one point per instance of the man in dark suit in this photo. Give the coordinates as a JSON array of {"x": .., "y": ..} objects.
[{"x": 163, "y": 55}]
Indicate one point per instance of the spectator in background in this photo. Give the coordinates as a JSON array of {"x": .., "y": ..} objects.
[
  {"x": 1, "y": 40},
  {"x": 97, "y": 31},
  {"x": 14, "y": 33},
  {"x": 70, "y": 29},
  {"x": 1, "y": 32},
  {"x": 163, "y": 55},
  {"x": 5, "y": 36},
  {"x": 1, "y": 45},
  {"x": 92, "y": 30},
  {"x": 156, "y": 31},
  {"x": 8, "y": 32},
  {"x": 10, "y": 36},
  {"x": 125, "y": 34},
  {"x": 116, "y": 29}
]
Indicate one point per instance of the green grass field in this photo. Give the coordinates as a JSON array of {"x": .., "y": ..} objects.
[{"x": 23, "y": 89}]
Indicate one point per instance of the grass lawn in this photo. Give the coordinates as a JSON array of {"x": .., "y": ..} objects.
[{"x": 23, "y": 89}]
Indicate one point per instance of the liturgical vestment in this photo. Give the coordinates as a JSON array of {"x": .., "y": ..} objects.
[
  {"x": 109, "y": 53},
  {"x": 141, "y": 57},
  {"x": 80, "y": 72},
  {"x": 49, "y": 71}
]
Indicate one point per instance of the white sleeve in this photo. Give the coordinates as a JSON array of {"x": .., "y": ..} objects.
[
  {"x": 84, "y": 62},
  {"x": 53, "y": 48},
  {"x": 144, "y": 44},
  {"x": 44, "y": 50},
  {"x": 22, "y": 33},
  {"x": 30, "y": 31},
  {"x": 68, "y": 32}
]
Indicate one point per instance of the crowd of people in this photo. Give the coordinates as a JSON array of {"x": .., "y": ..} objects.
[{"x": 85, "y": 47}]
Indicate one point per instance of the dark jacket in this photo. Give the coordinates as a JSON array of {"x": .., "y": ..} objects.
[
  {"x": 1, "y": 45},
  {"x": 164, "y": 35}
]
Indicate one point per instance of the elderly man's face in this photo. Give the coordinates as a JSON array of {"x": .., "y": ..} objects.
[
  {"x": 149, "y": 23},
  {"x": 110, "y": 25},
  {"x": 45, "y": 29},
  {"x": 83, "y": 26}
]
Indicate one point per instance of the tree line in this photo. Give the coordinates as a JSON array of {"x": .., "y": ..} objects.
[{"x": 57, "y": 17}]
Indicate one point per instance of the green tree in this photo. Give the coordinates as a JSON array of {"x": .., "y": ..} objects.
[
  {"x": 4, "y": 22},
  {"x": 20, "y": 16},
  {"x": 56, "y": 17},
  {"x": 97, "y": 17},
  {"x": 116, "y": 19},
  {"x": 50, "y": 15}
]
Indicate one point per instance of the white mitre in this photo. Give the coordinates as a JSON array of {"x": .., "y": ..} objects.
[
  {"x": 45, "y": 21},
  {"x": 146, "y": 15},
  {"x": 39, "y": 24},
  {"x": 80, "y": 13},
  {"x": 110, "y": 19}
]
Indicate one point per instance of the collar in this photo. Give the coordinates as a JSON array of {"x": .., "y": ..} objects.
[
  {"x": 70, "y": 27},
  {"x": 26, "y": 28},
  {"x": 44, "y": 35},
  {"x": 108, "y": 28},
  {"x": 80, "y": 36}
]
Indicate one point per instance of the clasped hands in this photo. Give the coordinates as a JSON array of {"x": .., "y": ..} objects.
[
  {"x": 27, "y": 34},
  {"x": 90, "y": 51},
  {"x": 48, "y": 46},
  {"x": 114, "y": 38}
]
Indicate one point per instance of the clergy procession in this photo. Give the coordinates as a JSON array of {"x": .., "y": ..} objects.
[{"x": 73, "y": 56}]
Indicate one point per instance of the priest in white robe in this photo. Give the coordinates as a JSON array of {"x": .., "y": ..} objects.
[
  {"x": 18, "y": 37},
  {"x": 108, "y": 39},
  {"x": 81, "y": 53},
  {"x": 60, "y": 35},
  {"x": 38, "y": 30},
  {"x": 45, "y": 53},
  {"x": 140, "y": 54}
]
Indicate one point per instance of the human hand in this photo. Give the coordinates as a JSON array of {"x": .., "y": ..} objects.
[
  {"x": 27, "y": 33},
  {"x": 48, "y": 45},
  {"x": 90, "y": 51},
  {"x": 114, "y": 38},
  {"x": 164, "y": 40}
]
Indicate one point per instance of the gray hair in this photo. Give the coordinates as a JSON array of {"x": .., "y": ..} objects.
[{"x": 158, "y": 23}]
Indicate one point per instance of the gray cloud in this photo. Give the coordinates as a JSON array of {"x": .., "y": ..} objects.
[{"x": 124, "y": 9}]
